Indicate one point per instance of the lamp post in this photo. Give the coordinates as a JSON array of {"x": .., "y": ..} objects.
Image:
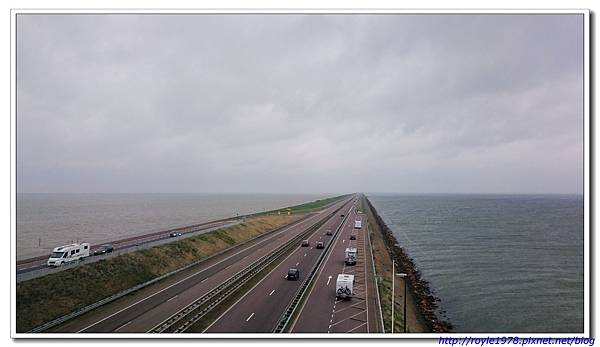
[
  {"x": 393, "y": 294},
  {"x": 403, "y": 275}
]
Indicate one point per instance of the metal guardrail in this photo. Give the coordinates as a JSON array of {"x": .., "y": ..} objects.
[
  {"x": 293, "y": 305},
  {"x": 203, "y": 305},
  {"x": 116, "y": 296}
]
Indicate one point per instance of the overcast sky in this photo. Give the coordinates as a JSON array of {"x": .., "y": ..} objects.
[{"x": 300, "y": 103}]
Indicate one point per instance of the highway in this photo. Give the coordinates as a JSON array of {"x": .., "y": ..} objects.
[
  {"x": 322, "y": 312},
  {"x": 130, "y": 244},
  {"x": 148, "y": 308},
  {"x": 260, "y": 308}
]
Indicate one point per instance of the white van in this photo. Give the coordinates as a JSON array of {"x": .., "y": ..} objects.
[
  {"x": 350, "y": 257},
  {"x": 344, "y": 286},
  {"x": 358, "y": 224},
  {"x": 69, "y": 253}
]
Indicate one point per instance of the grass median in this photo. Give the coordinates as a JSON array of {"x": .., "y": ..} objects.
[{"x": 46, "y": 298}]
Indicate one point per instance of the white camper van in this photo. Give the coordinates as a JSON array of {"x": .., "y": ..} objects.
[
  {"x": 357, "y": 224},
  {"x": 350, "y": 257},
  {"x": 69, "y": 253},
  {"x": 344, "y": 286}
]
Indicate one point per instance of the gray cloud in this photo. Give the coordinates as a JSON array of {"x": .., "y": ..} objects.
[{"x": 299, "y": 103}]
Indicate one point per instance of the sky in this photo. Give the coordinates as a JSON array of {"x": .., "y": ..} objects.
[{"x": 300, "y": 103}]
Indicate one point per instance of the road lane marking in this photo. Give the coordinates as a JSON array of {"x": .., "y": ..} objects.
[
  {"x": 328, "y": 279},
  {"x": 204, "y": 280},
  {"x": 250, "y": 317},
  {"x": 351, "y": 330},
  {"x": 273, "y": 291},
  {"x": 122, "y": 326},
  {"x": 172, "y": 298},
  {"x": 305, "y": 254},
  {"x": 297, "y": 263}
]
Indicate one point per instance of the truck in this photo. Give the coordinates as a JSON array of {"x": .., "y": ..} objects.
[
  {"x": 357, "y": 224},
  {"x": 344, "y": 286},
  {"x": 350, "y": 257},
  {"x": 68, "y": 253}
]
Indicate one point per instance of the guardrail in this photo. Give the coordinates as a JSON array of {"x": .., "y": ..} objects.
[
  {"x": 116, "y": 296},
  {"x": 188, "y": 316},
  {"x": 293, "y": 305}
]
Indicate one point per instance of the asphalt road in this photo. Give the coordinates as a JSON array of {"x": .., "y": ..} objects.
[
  {"x": 322, "y": 312},
  {"x": 39, "y": 268},
  {"x": 259, "y": 310},
  {"x": 147, "y": 308}
]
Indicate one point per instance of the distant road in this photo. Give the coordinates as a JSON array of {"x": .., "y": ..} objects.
[{"x": 36, "y": 267}]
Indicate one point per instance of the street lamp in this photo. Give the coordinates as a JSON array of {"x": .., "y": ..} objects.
[{"x": 403, "y": 275}]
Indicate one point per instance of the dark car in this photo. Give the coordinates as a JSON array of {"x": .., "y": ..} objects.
[
  {"x": 352, "y": 237},
  {"x": 305, "y": 243},
  {"x": 320, "y": 245},
  {"x": 293, "y": 274},
  {"x": 108, "y": 248},
  {"x": 174, "y": 234},
  {"x": 329, "y": 232},
  {"x": 342, "y": 215}
]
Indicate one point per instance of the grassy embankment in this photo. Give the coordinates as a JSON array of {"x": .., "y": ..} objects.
[
  {"x": 309, "y": 206},
  {"x": 383, "y": 268},
  {"x": 45, "y": 298}
]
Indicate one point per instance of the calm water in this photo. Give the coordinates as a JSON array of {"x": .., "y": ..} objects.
[
  {"x": 499, "y": 263},
  {"x": 57, "y": 219}
]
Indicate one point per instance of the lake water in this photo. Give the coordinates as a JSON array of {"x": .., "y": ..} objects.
[
  {"x": 57, "y": 219},
  {"x": 499, "y": 263}
]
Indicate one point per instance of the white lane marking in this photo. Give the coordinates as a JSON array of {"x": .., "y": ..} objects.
[
  {"x": 273, "y": 291},
  {"x": 122, "y": 326},
  {"x": 328, "y": 279},
  {"x": 351, "y": 330},
  {"x": 343, "y": 241},
  {"x": 311, "y": 248},
  {"x": 172, "y": 298},
  {"x": 250, "y": 317},
  {"x": 305, "y": 254},
  {"x": 203, "y": 280},
  {"x": 297, "y": 263}
]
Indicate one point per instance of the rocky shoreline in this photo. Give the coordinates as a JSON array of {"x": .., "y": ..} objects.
[{"x": 425, "y": 300}]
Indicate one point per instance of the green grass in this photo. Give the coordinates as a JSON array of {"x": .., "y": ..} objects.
[
  {"x": 46, "y": 298},
  {"x": 313, "y": 205}
]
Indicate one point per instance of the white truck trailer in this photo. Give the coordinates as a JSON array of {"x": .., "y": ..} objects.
[
  {"x": 358, "y": 224},
  {"x": 344, "y": 286},
  {"x": 350, "y": 257},
  {"x": 69, "y": 253}
]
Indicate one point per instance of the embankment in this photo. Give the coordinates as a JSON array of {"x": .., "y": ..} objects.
[{"x": 419, "y": 288}]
